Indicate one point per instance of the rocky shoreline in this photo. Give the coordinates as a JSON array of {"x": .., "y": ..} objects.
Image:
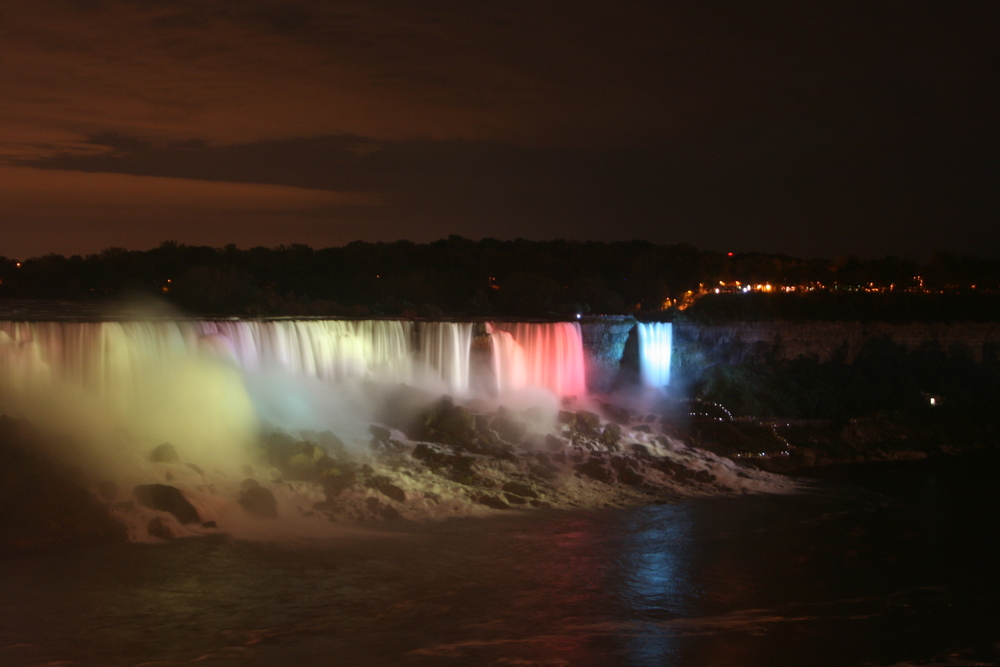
[
  {"x": 432, "y": 458},
  {"x": 419, "y": 462}
]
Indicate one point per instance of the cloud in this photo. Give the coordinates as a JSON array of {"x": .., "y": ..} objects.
[
  {"x": 77, "y": 212},
  {"x": 702, "y": 122},
  {"x": 229, "y": 73}
]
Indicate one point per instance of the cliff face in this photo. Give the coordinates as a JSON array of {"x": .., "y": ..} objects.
[
  {"x": 611, "y": 348},
  {"x": 756, "y": 342},
  {"x": 610, "y": 351}
]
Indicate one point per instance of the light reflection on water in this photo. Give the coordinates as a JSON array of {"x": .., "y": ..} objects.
[{"x": 819, "y": 579}]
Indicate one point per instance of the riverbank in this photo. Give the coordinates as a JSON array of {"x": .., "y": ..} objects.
[
  {"x": 428, "y": 460},
  {"x": 423, "y": 461}
]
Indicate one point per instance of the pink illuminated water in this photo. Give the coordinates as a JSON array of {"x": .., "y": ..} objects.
[{"x": 548, "y": 354}]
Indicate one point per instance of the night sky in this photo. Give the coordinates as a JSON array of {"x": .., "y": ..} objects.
[{"x": 813, "y": 129}]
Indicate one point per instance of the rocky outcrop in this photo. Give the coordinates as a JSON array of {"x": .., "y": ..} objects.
[
  {"x": 604, "y": 346},
  {"x": 611, "y": 347},
  {"x": 257, "y": 500},
  {"x": 696, "y": 345},
  {"x": 166, "y": 498},
  {"x": 165, "y": 453}
]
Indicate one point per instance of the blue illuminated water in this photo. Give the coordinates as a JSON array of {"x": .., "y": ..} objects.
[{"x": 655, "y": 348}]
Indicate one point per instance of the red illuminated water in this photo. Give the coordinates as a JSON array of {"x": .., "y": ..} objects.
[{"x": 548, "y": 355}]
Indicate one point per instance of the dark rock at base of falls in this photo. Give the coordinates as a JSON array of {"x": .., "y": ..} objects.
[
  {"x": 379, "y": 433},
  {"x": 630, "y": 477},
  {"x": 336, "y": 479},
  {"x": 611, "y": 435},
  {"x": 302, "y": 460},
  {"x": 165, "y": 453},
  {"x": 437, "y": 457},
  {"x": 519, "y": 489},
  {"x": 595, "y": 468},
  {"x": 508, "y": 426},
  {"x": 588, "y": 423},
  {"x": 258, "y": 501},
  {"x": 491, "y": 501},
  {"x": 616, "y": 414},
  {"x": 157, "y": 528},
  {"x": 166, "y": 498},
  {"x": 392, "y": 491}
]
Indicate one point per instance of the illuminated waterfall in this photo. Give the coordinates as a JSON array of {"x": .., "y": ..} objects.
[
  {"x": 655, "y": 341},
  {"x": 548, "y": 355},
  {"x": 508, "y": 362},
  {"x": 444, "y": 353},
  {"x": 107, "y": 356},
  {"x": 208, "y": 380},
  {"x": 124, "y": 387},
  {"x": 331, "y": 350}
]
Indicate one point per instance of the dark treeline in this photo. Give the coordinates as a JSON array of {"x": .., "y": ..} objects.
[{"x": 457, "y": 276}]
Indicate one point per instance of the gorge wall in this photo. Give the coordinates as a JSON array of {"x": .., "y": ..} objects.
[{"x": 612, "y": 358}]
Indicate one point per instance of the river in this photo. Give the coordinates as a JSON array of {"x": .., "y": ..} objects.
[{"x": 887, "y": 565}]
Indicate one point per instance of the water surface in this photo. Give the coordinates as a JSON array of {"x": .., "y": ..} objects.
[{"x": 896, "y": 567}]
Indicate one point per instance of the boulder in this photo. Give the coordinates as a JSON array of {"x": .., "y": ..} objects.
[
  {"x": 388, "y": 513},
  {"x": 379, "y": 433},
  {"x": 630, "y": 477},
  {"x": 642, "y": 451},
  {"x": 673, "y": 469},
  {"x": 566, "y": 417},
  {"x": 390, "y": 490},
  {"x": 329, "y": 441},
  {"x": 587, "y": 418},
  {"x": 157, "y": 528},
  {"x": 484, "y": 424},
  {"x": 491, "y": 501},
  {"x": 335, "y": 480},
  {"x": 547, "y": 472},
  {"x": 259, "y": 502},
  {"x": 456, "y": 421},
  {"x": 595, "y": 469},
  {"x": 508, "y": 427},
  {"x": 166, "y": 498},
  {"x": 165, "y": 453},
  {"x": 804, "y": 456},
  {"x": 704, "y": 477},
  {"x": 616, "y": 414},
  {"x": 517, "y": 488},
  {"x": 611, "y": 435}
]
